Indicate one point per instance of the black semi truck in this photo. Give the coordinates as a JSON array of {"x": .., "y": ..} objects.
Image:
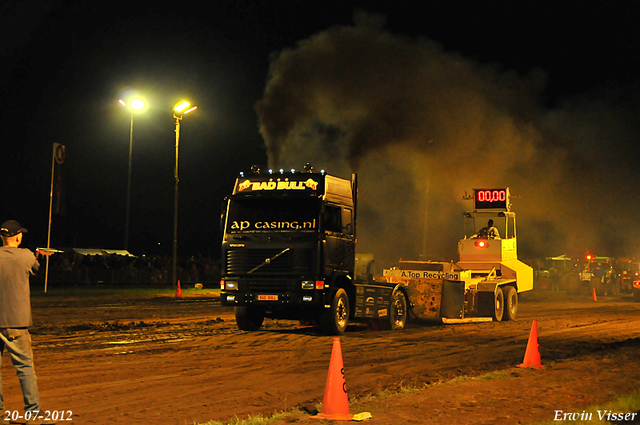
[{"x": 288, "y": 248}]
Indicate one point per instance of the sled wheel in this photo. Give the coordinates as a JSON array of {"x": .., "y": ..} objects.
[
  {"x": 510, "y": 303},
  {"x": 498, "y": 307}
]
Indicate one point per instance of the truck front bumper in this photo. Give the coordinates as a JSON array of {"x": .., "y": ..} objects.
[{"x": 312, "y": 298}]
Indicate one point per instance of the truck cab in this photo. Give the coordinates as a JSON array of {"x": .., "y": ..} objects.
[{"x": 288, "y": 248}]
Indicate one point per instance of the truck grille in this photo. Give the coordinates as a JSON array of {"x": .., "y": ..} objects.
[
  {"x": 292, "y": 262},
  {"x": 271, "y": 286}
]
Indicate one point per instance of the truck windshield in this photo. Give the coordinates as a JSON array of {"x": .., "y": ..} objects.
[{"x": 273, "y": 215}]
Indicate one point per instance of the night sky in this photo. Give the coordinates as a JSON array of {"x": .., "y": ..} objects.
[{"x": 563, "y": 83}]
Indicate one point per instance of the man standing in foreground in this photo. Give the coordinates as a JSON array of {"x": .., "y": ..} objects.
[{"x": 16, "y": 265}]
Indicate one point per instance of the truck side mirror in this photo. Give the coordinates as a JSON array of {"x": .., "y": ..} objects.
[
  {"x": 347, "y": 221},
  {"x": 346, "y": 229}
]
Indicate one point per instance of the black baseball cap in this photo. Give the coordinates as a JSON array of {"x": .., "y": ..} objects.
[{"x": 11, "y": 228}]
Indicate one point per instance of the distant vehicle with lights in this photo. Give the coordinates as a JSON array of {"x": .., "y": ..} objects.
[
  {"x": 609, "y": 283},
  {"x": 628, "y": 274},
  {"x": 629, "y": 277},
  {"x": 289, "y": 252},
  {"x": 566, "y": 269}
]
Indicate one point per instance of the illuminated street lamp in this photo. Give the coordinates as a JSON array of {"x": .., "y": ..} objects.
[
  {"x": 181, "y": 109},
  {"x": 136, "y": 105}
]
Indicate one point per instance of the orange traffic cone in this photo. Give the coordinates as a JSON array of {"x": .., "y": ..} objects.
[
  {"x": 593, "y": 295},
  {"x": 178, "y": 290},
  {"x": 335, "y": 404},
  {"x": 532, "y": 354}
]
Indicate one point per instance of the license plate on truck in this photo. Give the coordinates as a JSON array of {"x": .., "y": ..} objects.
[{"x": 267, "y": 298}]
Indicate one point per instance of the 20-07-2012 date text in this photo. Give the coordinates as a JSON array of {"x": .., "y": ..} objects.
[{"x": 46, "y": 415}]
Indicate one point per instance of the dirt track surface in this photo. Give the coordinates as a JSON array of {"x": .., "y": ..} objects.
[{"x": 161, "y": 360}]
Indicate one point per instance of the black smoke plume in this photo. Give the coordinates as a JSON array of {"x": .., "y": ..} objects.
[{"x": 421, "y": 125}]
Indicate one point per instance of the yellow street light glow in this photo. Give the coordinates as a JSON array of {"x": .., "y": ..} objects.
[
  {"x": 193, "y": 108},
  {"x": 181, "y": 107},
  {"x": 137, "y": 104}
]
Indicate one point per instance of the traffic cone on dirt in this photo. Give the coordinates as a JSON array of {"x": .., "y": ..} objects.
[
  {"x": 593, "y": 295},
  {"x": 532, "y": 354},
  {"x": 178, "y": 290},
  {"x": 335, "y": 404}
]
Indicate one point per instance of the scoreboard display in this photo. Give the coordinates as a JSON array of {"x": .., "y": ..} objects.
[{"x": 491, "y": 199}]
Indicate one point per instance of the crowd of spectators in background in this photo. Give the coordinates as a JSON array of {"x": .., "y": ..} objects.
[{"x": 71, "y": 268}]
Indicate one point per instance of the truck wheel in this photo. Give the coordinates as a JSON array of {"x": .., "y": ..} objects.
[
  {"x": 398, "y": 310},
  {"x": 249, "y": 318},
  {"x": 510, "y": 303},
  {"x": 334, "y": 320},
  {"x": 498, "y": 307}
]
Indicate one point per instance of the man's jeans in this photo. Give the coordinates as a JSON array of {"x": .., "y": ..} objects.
[{"x": 18, "y": 344}]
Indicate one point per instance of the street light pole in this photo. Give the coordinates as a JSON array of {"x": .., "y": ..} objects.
[
  {"x": 175, "y": 205},
  {"x": 179, "y": 111},
  {"x": 136, "y": 104},
  {"x": 126, "y": 221}
]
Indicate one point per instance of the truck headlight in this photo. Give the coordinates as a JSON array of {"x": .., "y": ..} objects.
[
  {"x": 308, "y": 284},
  {"x": 231, "y": 285}
]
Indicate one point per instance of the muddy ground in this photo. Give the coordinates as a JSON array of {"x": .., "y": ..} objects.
[{"x": 162, "y": 360}]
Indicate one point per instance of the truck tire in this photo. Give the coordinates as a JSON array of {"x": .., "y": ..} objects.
[
  {"x": 398, "y": 312},
  {"x": 498, "y": 305},
  {"x": 510, "y": 303},
  {"x": 334, "y": 320},
  {"x": 249, "y": 318}
]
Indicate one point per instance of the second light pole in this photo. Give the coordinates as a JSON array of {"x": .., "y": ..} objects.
[
  {"x": 181, "y": 109},
  {"x": 136, "y": 105}
]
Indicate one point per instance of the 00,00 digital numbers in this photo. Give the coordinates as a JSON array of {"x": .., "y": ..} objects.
[{"x": 492, "y": 195}]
